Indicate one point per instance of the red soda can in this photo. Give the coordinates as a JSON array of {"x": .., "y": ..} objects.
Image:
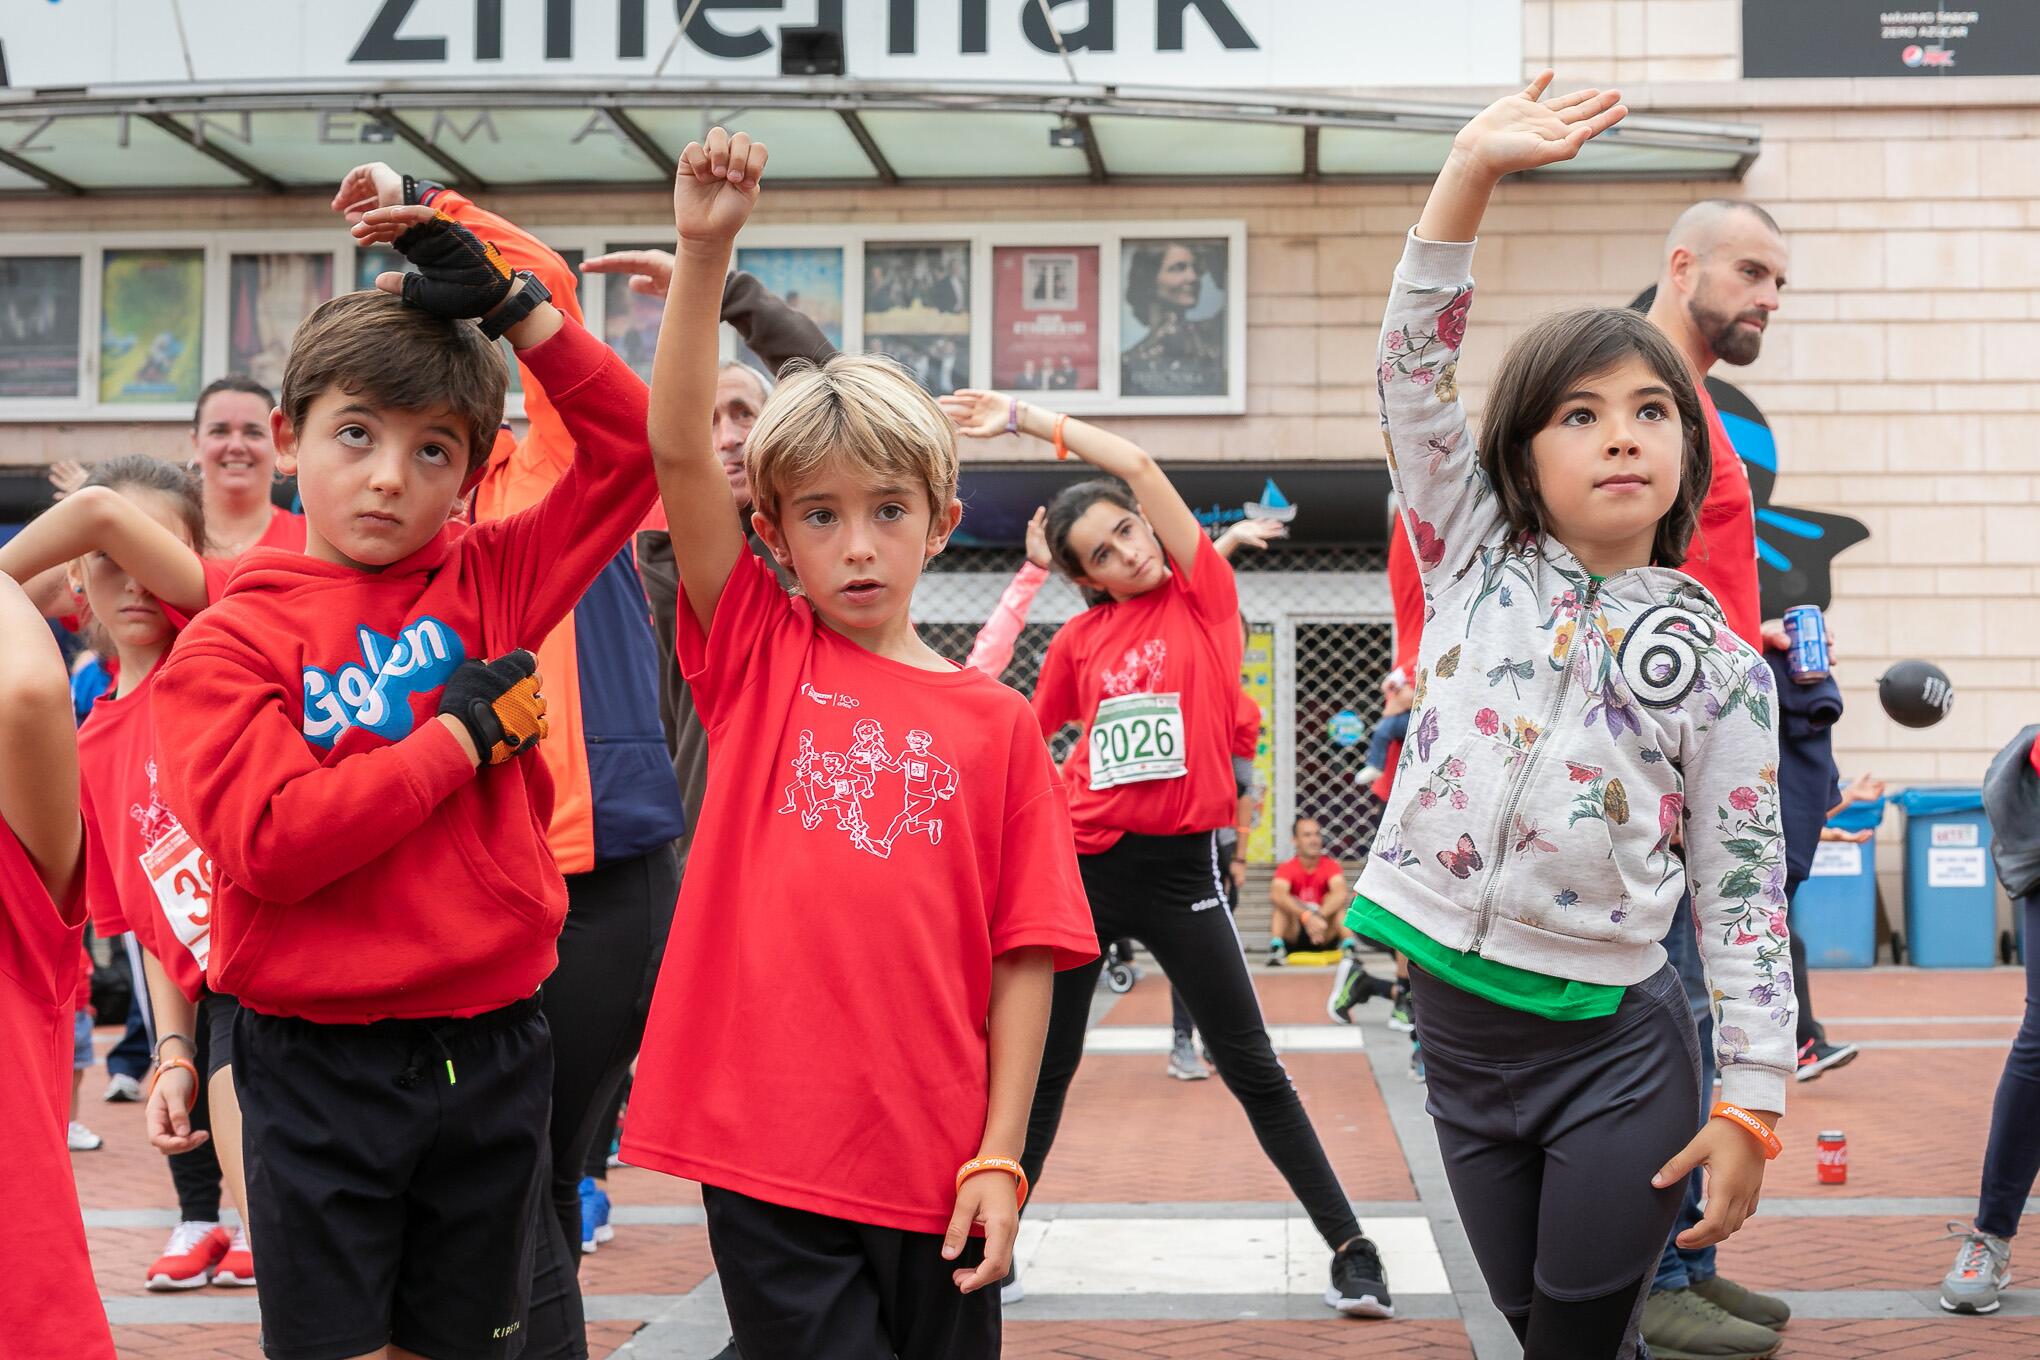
[{"x": 1831, "y": 1151}]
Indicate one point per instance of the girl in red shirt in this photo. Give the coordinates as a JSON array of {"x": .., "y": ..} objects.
[
  {"x": 130, "y": 536},
  {"x": 1152, "y": 673},
  {"x": 46, "y": 1291}
]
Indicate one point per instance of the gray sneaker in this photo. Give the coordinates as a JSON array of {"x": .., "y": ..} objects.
[
  {"x": 1184, "y": 1064},
  {"x": 1679, "y": 1324},
  {"x": 1983, "y": 1266}
]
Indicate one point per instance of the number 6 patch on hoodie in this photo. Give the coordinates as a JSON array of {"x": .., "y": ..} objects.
[{"x": 1660, "y": 654}]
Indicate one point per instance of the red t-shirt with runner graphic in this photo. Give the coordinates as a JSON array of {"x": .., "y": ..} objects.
[
  {"x": 913, "y": 824},
  {"x": 146, "y": 874},
  {"x": 46, "y": 1291},
  {"x": 1155, "y": 682}
]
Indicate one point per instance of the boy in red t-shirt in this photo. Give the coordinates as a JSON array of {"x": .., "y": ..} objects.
[
  {"x": 1309, "y": 894},
  {"x": 46, "y": 1293},
  {"x": 909, "y": 803},
  {"x": 335, "y": 736}
]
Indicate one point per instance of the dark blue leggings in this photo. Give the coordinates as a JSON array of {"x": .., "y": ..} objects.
[{"x": 2012, "y": 1159}]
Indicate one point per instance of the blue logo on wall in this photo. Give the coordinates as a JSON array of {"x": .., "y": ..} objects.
[{"x": 1271, "y": 504}]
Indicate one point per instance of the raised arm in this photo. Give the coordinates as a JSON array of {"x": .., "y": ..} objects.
[
  {"x": 993, "y": 650},
  {"x": 982, "y": 415},
  {"x": 714, "y": 190},
  {"x": 38, "y": 744},
  {"x": 100, "y": 519},
  {"x": 1447, "y": 512}
]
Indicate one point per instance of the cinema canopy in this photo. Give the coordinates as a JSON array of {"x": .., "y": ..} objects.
[{"x": 101, "y": 97}]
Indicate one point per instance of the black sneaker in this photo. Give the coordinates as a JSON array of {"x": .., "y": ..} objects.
[
  {"x": 1359, "y": 1285},
  {"x": 1817, "y": 1056}
]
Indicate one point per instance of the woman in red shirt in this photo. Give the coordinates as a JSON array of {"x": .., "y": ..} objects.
[{"x": 1152, "y": 674}]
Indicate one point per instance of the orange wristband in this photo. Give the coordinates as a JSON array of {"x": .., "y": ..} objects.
[
  {"x": 1756, "y": 1127},
  {"x": 164, "y": 1064},
  {"x": 1061, "y": 450},
  {"x": 1005, "y": 1164}
]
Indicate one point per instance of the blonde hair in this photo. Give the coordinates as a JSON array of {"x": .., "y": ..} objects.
[{"x": 859, "y": 410}]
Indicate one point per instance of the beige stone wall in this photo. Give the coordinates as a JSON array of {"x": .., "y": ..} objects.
[{"x": 1902, "y": 376}]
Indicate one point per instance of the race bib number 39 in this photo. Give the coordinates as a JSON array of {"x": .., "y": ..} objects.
[
  {"x": 182, "y": 876},
  {"x": 1136, "y": 738}
]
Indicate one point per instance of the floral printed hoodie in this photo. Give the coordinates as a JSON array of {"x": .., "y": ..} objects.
[{"x": 1565, "y": 729}]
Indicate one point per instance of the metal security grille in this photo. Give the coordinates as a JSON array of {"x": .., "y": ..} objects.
[
  {"x": 1337, "y": 668},
  {"x": 1328, "y": 611}
]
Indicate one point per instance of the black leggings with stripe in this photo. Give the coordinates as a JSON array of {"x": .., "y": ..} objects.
[{"x": 1165, "y": 891}]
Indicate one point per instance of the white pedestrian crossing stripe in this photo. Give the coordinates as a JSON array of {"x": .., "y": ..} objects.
[
  {"x": 1287, "y": 1038},
  {"x": 1212, "y": 1256}
]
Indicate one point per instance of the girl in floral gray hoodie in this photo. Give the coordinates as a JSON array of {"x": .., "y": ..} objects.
[{"x": 1590, "y": 742}]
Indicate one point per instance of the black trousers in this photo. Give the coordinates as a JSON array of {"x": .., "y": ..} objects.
[
  {"x": 805, "y": 1285},
  {"x": 595, "y": 1003},
  {"x": 1165, "y": 891}
]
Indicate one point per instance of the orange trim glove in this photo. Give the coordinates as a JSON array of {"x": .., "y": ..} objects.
[
  {"x": 458, "y": 274},
  {"x": 500, "y": 704}
]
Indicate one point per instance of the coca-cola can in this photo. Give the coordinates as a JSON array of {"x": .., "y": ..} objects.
[{"x": 1831, "y": 1151}]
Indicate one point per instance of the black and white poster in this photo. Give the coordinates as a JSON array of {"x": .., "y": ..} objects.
[{"x": 1826, "y": 38}]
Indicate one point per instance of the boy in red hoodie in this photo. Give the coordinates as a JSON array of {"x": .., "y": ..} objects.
[{"x": 334, "y": 733}]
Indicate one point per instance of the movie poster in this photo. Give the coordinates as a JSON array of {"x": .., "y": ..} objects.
[
  {"x": 151, "y": 326},
  {"x": 1045, "y": 318},
  {"x": 39, "y": 301},
  {"x": 267, "y": 296},
  {"x": 630, "y": 321},
  {"x": 1173, "y": 323},
  {"x": 917, "y": 309},
  {"x": 808, "y": 279}
]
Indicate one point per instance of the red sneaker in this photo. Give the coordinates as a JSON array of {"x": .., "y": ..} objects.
[
  {"x": 190, "y": 1258},
  {"x": 237, "y": 1267}
]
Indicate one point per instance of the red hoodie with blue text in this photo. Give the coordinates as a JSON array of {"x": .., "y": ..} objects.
[{"x": 364, "y": 868}]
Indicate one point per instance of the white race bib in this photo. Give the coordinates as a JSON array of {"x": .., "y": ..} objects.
[
  {"x": 182, "y": 876},
  {"x": 1136, "y": 738}
]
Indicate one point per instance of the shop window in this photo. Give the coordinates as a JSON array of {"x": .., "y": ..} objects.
[
  {"x": 39, "y": 326},
  {"x": 1045, "y": 318},
  {"x": 267, "y": 296},
  {"x": 917, "y": 309},
  {"x": 151, "y": 327}
]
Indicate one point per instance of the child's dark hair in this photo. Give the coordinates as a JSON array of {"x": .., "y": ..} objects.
[
  {"x": 373, "y": 344},
  {"x": 153, "y": 474},
  {"x": 1553, "y": 358},
  {"x": 1067, "y": 508},
  {"x": 232, "y": 382}
]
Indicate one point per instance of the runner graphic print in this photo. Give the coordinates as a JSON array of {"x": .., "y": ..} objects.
[{"x": 835, "y": 787}]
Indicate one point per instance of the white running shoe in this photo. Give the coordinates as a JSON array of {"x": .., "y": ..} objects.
[
  {"x": 82, "y": 1139},
  {"x": 121, "y": 1087}
]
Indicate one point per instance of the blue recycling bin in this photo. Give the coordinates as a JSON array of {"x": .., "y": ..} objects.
[
  {"x": 1834, "y": 912},
  {"x": 1950, "y": 886}
]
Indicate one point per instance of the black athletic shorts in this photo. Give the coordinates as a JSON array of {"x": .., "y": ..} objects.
[
  {"x": 216, "y": 1018},
  {"x": 804, "y": 1286},
  {"x": 393, "y": 1180}
]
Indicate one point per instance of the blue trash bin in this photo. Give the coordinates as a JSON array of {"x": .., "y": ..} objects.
[
  {"x": 1950, "y": 886},
  {"x": 1834, "y": 912}
]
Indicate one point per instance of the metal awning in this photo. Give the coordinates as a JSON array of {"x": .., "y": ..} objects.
[{"x": 823, "y": 132}]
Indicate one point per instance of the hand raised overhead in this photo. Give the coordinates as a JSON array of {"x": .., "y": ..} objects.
[
  {"x": 1519, "y": 132},
  {"x": 716, "y": 185}
]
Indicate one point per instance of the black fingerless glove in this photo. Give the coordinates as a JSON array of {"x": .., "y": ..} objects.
[
  {"x": 499, "y": 703},
  {"x": 459, "y": 275}
]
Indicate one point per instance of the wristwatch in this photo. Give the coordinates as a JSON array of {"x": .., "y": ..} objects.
[
  {"x": 420, "y": 191},
  {"x": 517, "y": 306}
]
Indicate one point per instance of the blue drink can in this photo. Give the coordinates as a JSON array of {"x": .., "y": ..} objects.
[{"x": 1807, "y": 659}]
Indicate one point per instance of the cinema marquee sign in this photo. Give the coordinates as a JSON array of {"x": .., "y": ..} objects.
[{"x": 1266, "y": 44}]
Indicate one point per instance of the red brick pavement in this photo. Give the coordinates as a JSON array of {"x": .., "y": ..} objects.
[
  {"x": 1928, "y": 1339},
  {"x": 1876, "y": 1101},
  {"x": 1429, "y": 1340},
  {"x": 238, "y": 1342},
  {"x": 1131, "y": 1133},
  {"x": 649, "y": 1259},
  {"x": 1913, "y": 991},
  {"x": 1906, "y": 1253}
]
